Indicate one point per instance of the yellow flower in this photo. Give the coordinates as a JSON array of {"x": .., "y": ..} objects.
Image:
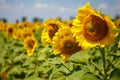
[
  {"x": 9, "y": 29},
  {"x": 33, "y": 29},
  {"x": 17, "y": 34},
  {"x": 64, "y": 43},
  {"x": 68, "y": 23},
  {"x": 25, "y": 33},
  {"x": 30, "y": 44},
  {"x": 35, "y": 26},
  {"x": 26, "y": 23},
  {"x": 119, "y": 44},
  {"x": 38, "y": 24},
  {"x": 51, "y": 26},
  {"x": 19, "y": 25},
  {"x": 91, "y": 29},
  {"x": 2, "y": 25},
  {"x": 117, "y": 23}
]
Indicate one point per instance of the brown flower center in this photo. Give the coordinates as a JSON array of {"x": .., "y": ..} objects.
[
  {"x": 70, "y": 47},
  {"x": 95, "y": 28},
  {"x": 26, "y": 34},
  {"x": 52, "y": 30},
  {"x": 31, "y": 44},
  {"x": 33, "y": 30},
  {"x": 10, "y": 30}
]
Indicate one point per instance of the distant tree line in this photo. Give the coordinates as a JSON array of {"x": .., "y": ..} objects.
[{"x": 35, "y": 19}]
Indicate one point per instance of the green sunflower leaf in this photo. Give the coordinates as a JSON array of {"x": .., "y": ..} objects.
[
  {"x": 82, "y": 75},
  {"x": 115, "y": 74},
  {"x": 80, "y": 57}
]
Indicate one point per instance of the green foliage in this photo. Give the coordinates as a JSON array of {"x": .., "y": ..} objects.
[
  {"x": 115, "y": 74},
  {"x": 93, "y": 64}
]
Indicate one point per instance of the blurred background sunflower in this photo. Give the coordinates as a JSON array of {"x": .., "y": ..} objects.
[
  {"x": 51, "y": 26},
  {"x": 30, "y": 44}
]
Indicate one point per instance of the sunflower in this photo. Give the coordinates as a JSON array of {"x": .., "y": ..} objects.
[
  {"x": 35, "y": 26},
  {"x": 91, "y": 28},
  {"x": 64, "y": 43},
  {"x": 119, "y": 44},
  {"x": 68, "y": 23},
  {"x": 9, "y": 29},
  {"x": 17, "y": 34},
  {"x": 51, "y": 26},
  {"x": 25, "y": 33},
  {"x": 20, "y": 25},
  {"x": 117, "y": 22},
  {"x": 30, "y": 44},
  {"x": 2, "y": 25},
  {"x": 26, "y": 23}
]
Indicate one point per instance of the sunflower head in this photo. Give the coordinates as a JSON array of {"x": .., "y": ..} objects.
[
  {"x": 9, "y": 29},
  {"x": 25, "y": 33},
  {"x": 19, "y": 25},
  {"x": 68, "y": 23},
  {"x": 17, "y": 34},
  {"x": 30, "y": 44},
  {"x": 2, "y": 25},
  {"x": 91, "y": 28},
  {"x": 117, "y": 22},
  {"x": 33, "y": 27},
  {"x": 51, "y": 26},
  {"x": 52, "y": 29},
  {"x": 26, "y": 23},
  {"x": 118, "y": 44},
  {"x": 64, "y": 43}
]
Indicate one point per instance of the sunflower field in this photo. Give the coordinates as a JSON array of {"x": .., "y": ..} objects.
[{"x": 85, "y": 48}]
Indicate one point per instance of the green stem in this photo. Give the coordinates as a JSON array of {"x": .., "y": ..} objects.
[
  {"x": 97, "y": 68},
  {"x": 104, "y": 63}
]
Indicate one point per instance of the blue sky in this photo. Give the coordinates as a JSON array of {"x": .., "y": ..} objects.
[{"x": 15, "y": 9}]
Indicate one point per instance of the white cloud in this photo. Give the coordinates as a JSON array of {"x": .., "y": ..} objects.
[
  {"x": 102, "y": 6},
  {"x": 40, "y": 5},
  {"x": 62, "y": 9},
  {"x": 52, "y": 8}
]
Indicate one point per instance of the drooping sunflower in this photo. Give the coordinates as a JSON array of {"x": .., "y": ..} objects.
[
  {"x": 51, "y": 26},
  {"x": 64, "y": 43},
  {"x": 91, "y": 28},
  {"x": 30, "y": 44}
]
